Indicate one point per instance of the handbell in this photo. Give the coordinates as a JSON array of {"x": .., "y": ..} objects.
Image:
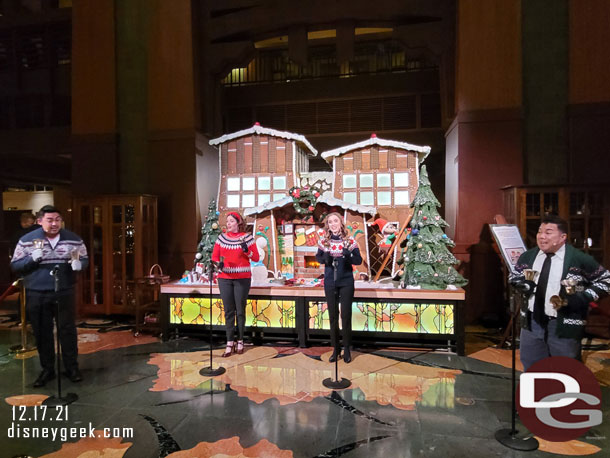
[
  {"x": 558, "y": 302},
  {"x": 75, "y": 254},
  {"x": 530, "y": 274},
  {"x": 38, "y": 244},
  {"x": 570, "y": 285}
]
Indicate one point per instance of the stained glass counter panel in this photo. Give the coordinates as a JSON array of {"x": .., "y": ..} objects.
[
  {"x": 390, "y": 317},
  {"x": 272, "y": 313}
]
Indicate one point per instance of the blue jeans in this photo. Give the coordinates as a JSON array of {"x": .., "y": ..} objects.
[{"x": 540, "y": 343}]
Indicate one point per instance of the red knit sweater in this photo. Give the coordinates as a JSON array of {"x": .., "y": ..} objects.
[{"x": 236, "y": 262}]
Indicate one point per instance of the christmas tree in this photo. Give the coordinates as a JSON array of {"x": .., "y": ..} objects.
[
  {"x": 209, "y": 233},
  {"x": 427, "y": 261}
]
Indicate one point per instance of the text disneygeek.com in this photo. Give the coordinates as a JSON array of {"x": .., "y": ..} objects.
[
  {"x": 20, "y": 429},
  {"x": 64, "y": 433}
]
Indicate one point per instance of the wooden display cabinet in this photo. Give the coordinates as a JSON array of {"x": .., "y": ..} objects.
[
  {"x": 585, "y": 208},
  {"x": 120, "y": 232}
]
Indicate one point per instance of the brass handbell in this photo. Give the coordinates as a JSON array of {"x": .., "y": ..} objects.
[
  {"x": 558, "y": 302},
  {"x": 570, "y": 285},
  {"x": 38, "y": 244},
  {"x": 530, "y": 274}
]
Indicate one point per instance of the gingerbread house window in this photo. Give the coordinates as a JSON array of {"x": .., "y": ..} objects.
[
  {"x": 247, "y": 192},
  {"x": 366, "y": 180},
  {"x": 359, "y": 188}
]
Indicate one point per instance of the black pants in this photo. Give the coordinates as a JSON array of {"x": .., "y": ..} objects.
[
  {"x": 234, "y": 295},
  {"x": 41, "y": 310},
  {"x": 346, "y": 297}
]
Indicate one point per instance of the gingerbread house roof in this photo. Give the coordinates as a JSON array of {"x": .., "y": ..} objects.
[
  {"x": 422, "y": 151},
  {"x": 326, "y": 198},
  {"x": 260, "y": 130}
]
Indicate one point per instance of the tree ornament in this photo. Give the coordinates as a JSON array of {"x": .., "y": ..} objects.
[
  {"x": 425, "y": 218},
  {"x": 198, "y": 256},
  {"x": 419, "y": 245},
  {"x": 214, "y": 225}
]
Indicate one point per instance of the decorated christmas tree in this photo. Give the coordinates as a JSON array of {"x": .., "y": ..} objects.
[
  {"x": 209, "y": 233},
  {"x": 427, "y": 261}
]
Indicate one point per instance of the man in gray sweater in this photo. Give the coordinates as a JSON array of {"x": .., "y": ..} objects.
[{"x": 41, "y": 256}]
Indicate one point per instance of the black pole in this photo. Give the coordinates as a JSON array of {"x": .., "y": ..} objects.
[
  {"x": 509, "y": 437},
  {"x": 70, "y": 397},
  {"x": 328, "y": 382},
  {"x": 210, "y": 371}
]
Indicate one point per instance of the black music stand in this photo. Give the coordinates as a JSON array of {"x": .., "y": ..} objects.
[
  {"x": 210, "y": 371},
  {"x": 58, "y": 400},
  {"x": 509, "y": 437}
]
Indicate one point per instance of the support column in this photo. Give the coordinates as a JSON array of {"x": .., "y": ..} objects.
[
  {"x": 94, "y": 148},
  {"x": 484, "y": 143}
]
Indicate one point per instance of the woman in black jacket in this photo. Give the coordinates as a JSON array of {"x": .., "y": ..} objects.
[{"x": 338, "y": 251}]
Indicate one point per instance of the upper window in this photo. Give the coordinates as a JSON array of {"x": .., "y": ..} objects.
[
  {"x": 247, "y": 192},
  {"x": 375, "y": 189}
]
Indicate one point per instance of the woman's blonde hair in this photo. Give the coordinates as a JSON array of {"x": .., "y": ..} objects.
[
  {"x": 241, "y": 224},
  {"x": 327, "y": 231}
]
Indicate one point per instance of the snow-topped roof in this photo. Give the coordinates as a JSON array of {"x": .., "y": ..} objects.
[
  {"x": 258, "y": 129},
  {"x": 268, "y": 206},
  {"x": 422, "y": 151},
  {"x": 327, "y": 199},
  {"x": 333, "y": 202}
]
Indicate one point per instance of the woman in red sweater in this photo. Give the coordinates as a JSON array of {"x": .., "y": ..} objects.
[{"x": 233, "y": 251}]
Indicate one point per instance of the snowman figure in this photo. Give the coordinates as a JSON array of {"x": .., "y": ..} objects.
[{"x": 259, "y": 270}]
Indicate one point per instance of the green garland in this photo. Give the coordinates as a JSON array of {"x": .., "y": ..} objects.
[{"x": 304, "y": 195}]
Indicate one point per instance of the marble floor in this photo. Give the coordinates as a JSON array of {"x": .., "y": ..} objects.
[{"x": 150, "y": 399}]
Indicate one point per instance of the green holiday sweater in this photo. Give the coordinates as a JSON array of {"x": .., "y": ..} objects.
[{"x": 591, "y": 278}]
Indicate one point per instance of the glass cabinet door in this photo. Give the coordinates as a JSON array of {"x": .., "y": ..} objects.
[
  {"x": 121, "y": 237},
  {"x": 90, "y": 220},
  {"x": 123, "y": 255},
  {"x": 587, "y": 222}
]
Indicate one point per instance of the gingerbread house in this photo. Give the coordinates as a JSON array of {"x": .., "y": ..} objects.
[
  {"x": 287, "y": 237},
  {"x": 383, "y": 174},
  {"x": 377, "y": 172},
  {"x": 259, "y": 165}
]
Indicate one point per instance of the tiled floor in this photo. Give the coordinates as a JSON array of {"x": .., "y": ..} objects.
[{"x": 271, "y": 403}]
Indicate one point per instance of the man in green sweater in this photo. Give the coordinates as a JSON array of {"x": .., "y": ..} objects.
[{"x": 552, "y": 327}]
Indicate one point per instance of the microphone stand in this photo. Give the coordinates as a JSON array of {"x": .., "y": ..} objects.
[
  {"x": 210, "y": 371},
  {"x": 508, "y": 437},
  {"x": 58, "y": 400},
  {"x": 328, "y": 382}
]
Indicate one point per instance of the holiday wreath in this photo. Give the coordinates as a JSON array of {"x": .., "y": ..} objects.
[{"x": 308, "y": 196}]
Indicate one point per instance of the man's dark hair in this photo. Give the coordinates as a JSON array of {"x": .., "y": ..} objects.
[
  {"x": 27, "y": 216},
  {"x": 562, "y": 224},
  {"x": 47, "y": 209}
]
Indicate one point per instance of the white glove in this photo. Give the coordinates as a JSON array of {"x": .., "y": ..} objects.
[
  {"x": 37, "y": 255},
  {"x": 77, "y": 265}
]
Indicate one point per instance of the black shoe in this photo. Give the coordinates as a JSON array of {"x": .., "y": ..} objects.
[
  {"x": 347, "y": 356},
  {"x": 74, "y": 375},
  {"x": 44, "y": 377},
  {"x": 333, "y": 357}
]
